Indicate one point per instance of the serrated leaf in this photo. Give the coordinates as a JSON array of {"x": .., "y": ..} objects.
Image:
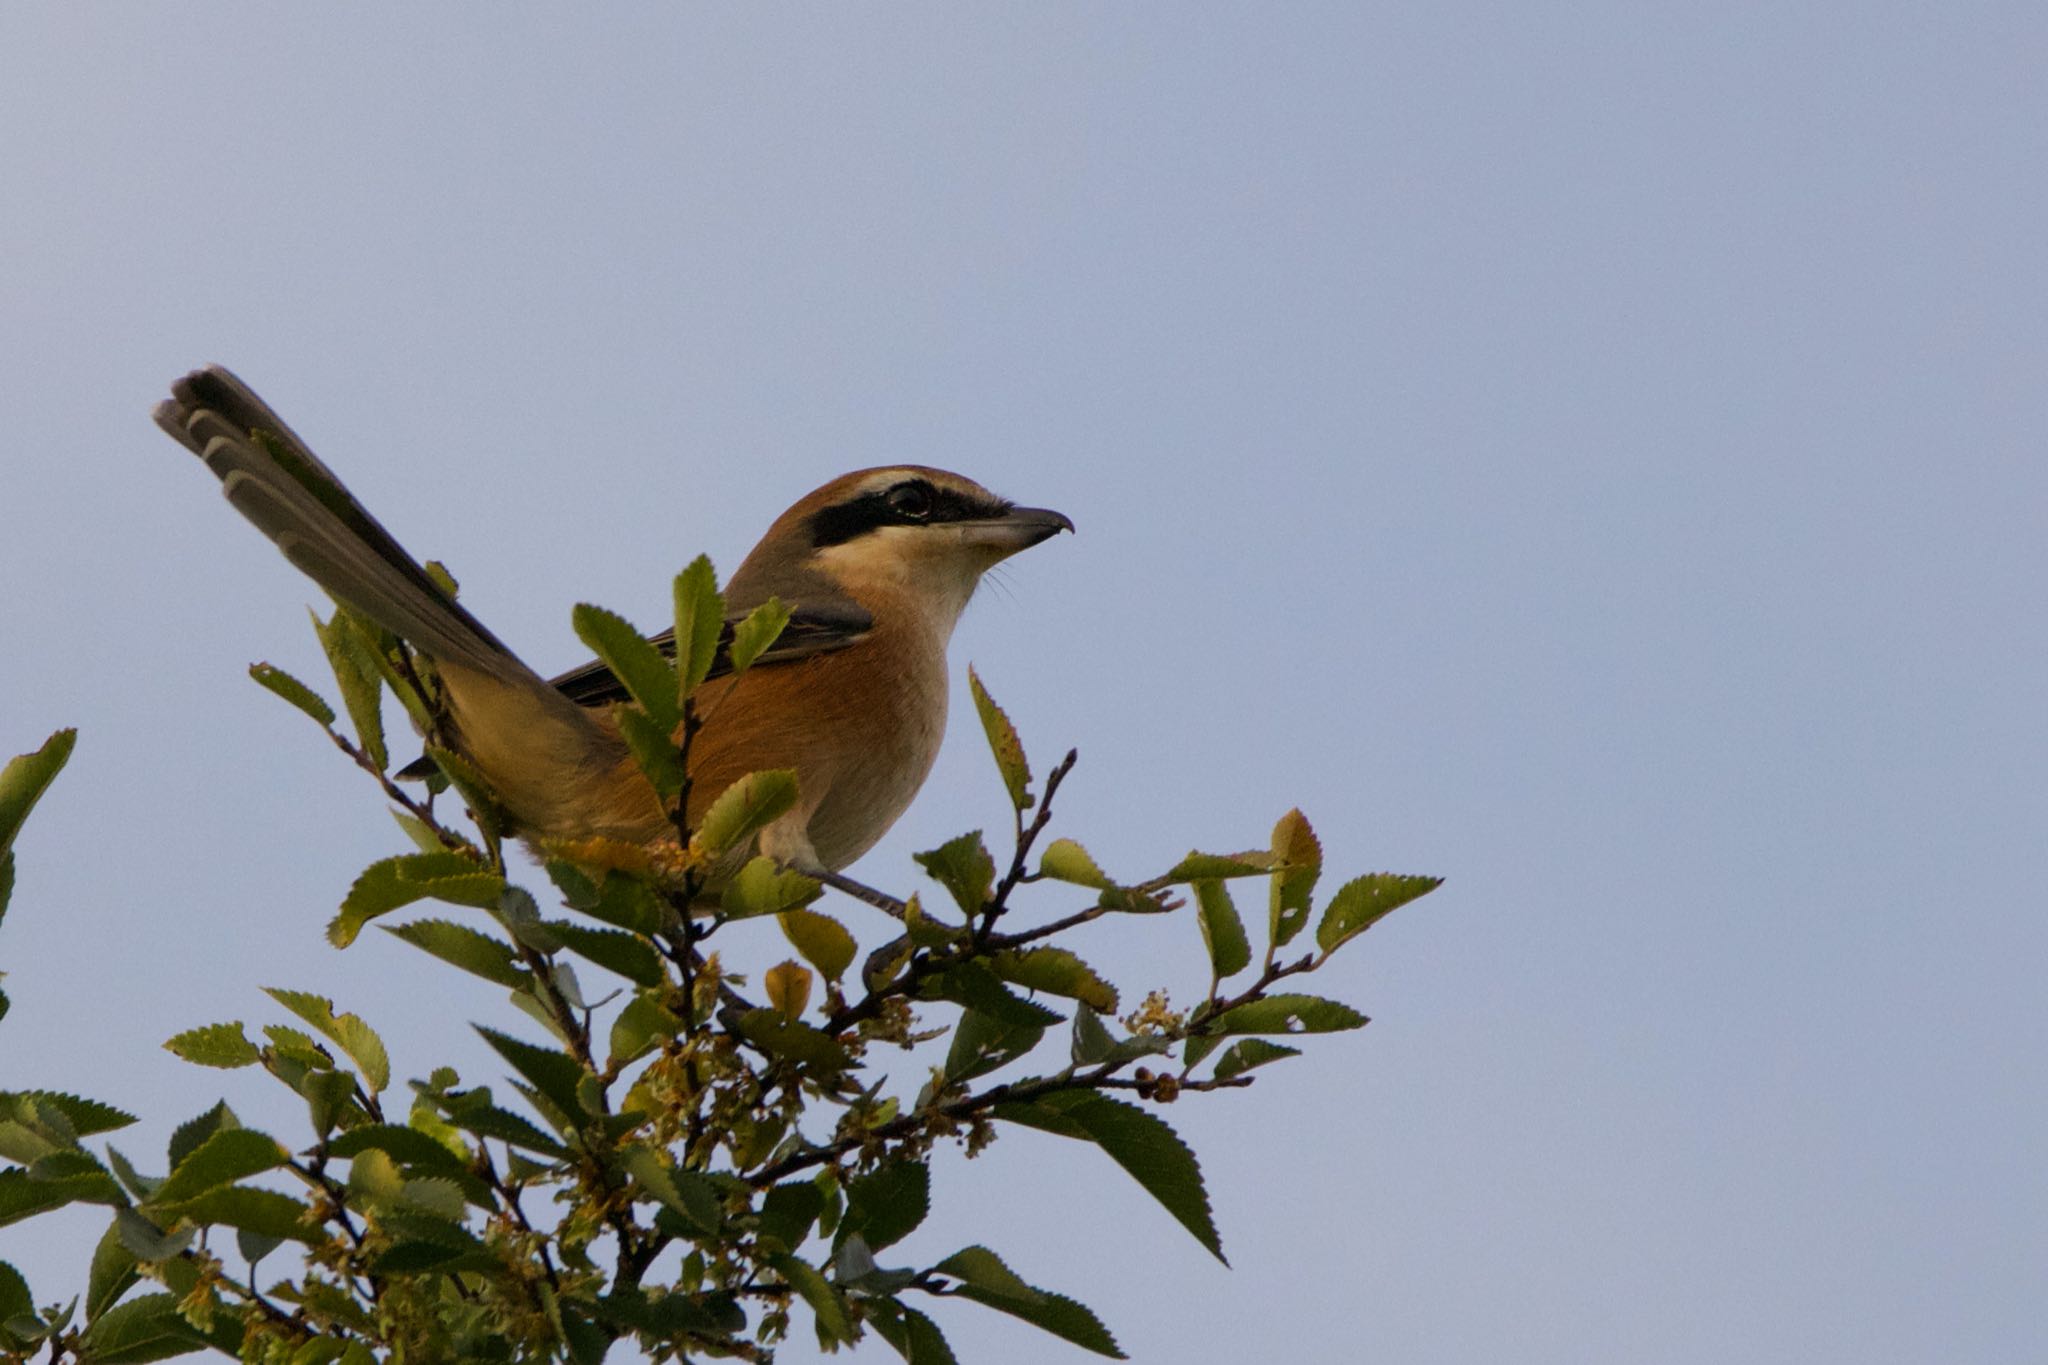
[
  {"x": 1222, "y": 929},
  {"x": 85, "y": 1117},
  {"x": 798, "y": 1042},
  {"x": 478, "y": 953},
  {"x": 789, "y": 1211},
  {"x": 916, "y": 1337},
  {"x": 265, "y": 1212},
  {"x": 1136, "y": 1140},
  {"x": 629, "y": 955},
  {"x": 1066, "y": 861},
  {"x": 1364, "y": 901},
  {"x": 824, "y": 941},
  {"x": 763, "y": 887},
  {"x": 654, "y": 750},
  {"x": 1300, "y": 856},
  {"x": 982, "y": 1044},
  {"x": 644, "y": 1022},
  {"x": 986, "y": 1280},
  {"x": 143, "y": 1329},
  {"x": 187, "y": 1137},
  {"x": 742, "y": 809},
  {"x": 473, "y": 1112},
  {"x": 1286, "y": 1014},
  {"x": 393, "y": 882},
  {"x": 113, "y": 1273},
  {"x": 1216, "y": 867},
  {"x": 700, "y": 619},
  {"x": 294, "y": 691},
  {"x": 361, "y": 682},
  {"x": 1091, "y": 1041},
  {"x": 685, "y": 1193},
  {"x": 1056, "y": 972},
  {"x": 835, "y": 1324},
  {"x": 556, "y": 1075},
  {"x": 26, "y": 777},
  {"x": 354, "y": 1037},
  {"x": 887, "y": 1204},
  {"x": 634, "y": 661},
  {"x": 230, "y": 1154},
  {"x": 1002, "y": 742},
  {"x": 754, "y": 632},
  {"x": 21, "y": 1197},
  {"x": 1251, "y": 1052},
  {"x": 221, "y": 1045},
  {"x": 963, "y": 866},
  {"x": 976, "y": 986}
]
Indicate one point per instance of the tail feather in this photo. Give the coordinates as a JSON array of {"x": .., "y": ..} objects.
[{"x": 273, "y": 479}]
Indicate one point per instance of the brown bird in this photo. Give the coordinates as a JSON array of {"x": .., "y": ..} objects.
[{"x": 876, "y": 567}]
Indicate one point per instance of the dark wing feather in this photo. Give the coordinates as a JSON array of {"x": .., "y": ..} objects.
[{"x": 810, "y": 631}]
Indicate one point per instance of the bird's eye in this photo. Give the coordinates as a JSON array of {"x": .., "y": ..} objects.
[{"x": 912, "y": 500}]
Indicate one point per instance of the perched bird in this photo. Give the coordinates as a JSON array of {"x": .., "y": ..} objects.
[{"x": 876, "y": 567}]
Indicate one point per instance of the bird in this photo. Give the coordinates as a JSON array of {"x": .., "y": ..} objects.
[{"x": 875, "y": 568}]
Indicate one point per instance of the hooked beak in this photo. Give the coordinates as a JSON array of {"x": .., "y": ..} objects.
[{"x": 1019, "y": 528}]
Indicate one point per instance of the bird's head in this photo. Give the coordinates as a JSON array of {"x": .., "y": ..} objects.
[{"x": 905, "y": 534}]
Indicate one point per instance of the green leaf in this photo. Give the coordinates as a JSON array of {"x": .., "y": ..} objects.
[
  {"x": 86, "y": 1117},
  {"x": 982, "y": 1044},
  {"x": 1216, "y": 867},
  {"x": 762, "y": 887},
  {"x": 1222, "y": 929},
  {"x": 767, "y": 1029},
  {"x": 976, "y": 986},
  {"x": 1003, "y": 743},
  {"x": 478, "y": 953},
  {"x": 556, "y": 1075},
  {"x": 230, "y": 1154},
  {"x": 1364, "y": 901},
  {"x": 963, "y": 867},
  {"x": 142, "y": 1329},
  {"x": 473, "y": 1112},
  {"x": 22, "y": 1197},
  {"x": 24, "y": 780},
  {"x": 113, "y": 1273},
  {"x": 1092, "y": 1041},
  {"x": 622, "y": 900},
  {"x": 986, "y": 1280},
  {"x": 824, "y": 941},
  {"x": 418, "y": 1153},
  {"x": 1056, "y": 972},
  {"x": 629, "y": 955},
  {"x": 685, "y": 1193},
  {"x": 385, "y": 886},
  {"x": 887, "y": 1204},
  {"x": 835, "y": 1324},
  {"x": 1136, "y": 1140},
  {"x": 916, "y": 1337},
  {"x": 644, "y": 1022},
  {"x": 355, "y": 1037},
  {"x": 1251, "y": 1052},
  {"x": 760, "y": 628},
  {"x": 743, "y": 808},
  {"x": 1066, "y": 861},
  {"x": 294, "y": 691},
  {"x": 356, "y": 673},
  {"x": 1286, "y": 1014},
  {"x": 1300, "y": 856},
  {"x": 634, "y": 661},
  {"x": 188, "y": 1136},
  {"x": 245, "y": 1209},
  {"x": 700, "y": 619},
  {"x": 654, "y": 750},
  {"x": 789, "y": 1211},
  {"x": 221, "y": 1045}
]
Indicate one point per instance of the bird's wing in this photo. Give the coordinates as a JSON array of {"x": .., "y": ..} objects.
[{"x": 811, "y": 630}]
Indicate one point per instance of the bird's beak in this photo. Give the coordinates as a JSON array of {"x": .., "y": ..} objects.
[{"x": 1020, "y": 528}]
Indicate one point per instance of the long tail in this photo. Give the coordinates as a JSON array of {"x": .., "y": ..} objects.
[
  {"x": 546, "y": 756},
  {"x": 276, "y": 482}
]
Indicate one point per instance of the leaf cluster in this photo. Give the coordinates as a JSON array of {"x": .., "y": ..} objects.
[{"x": 666, "y": 1154}]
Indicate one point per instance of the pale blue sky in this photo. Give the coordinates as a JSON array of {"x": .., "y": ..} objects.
[{"x": 1591, "y": 452}]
